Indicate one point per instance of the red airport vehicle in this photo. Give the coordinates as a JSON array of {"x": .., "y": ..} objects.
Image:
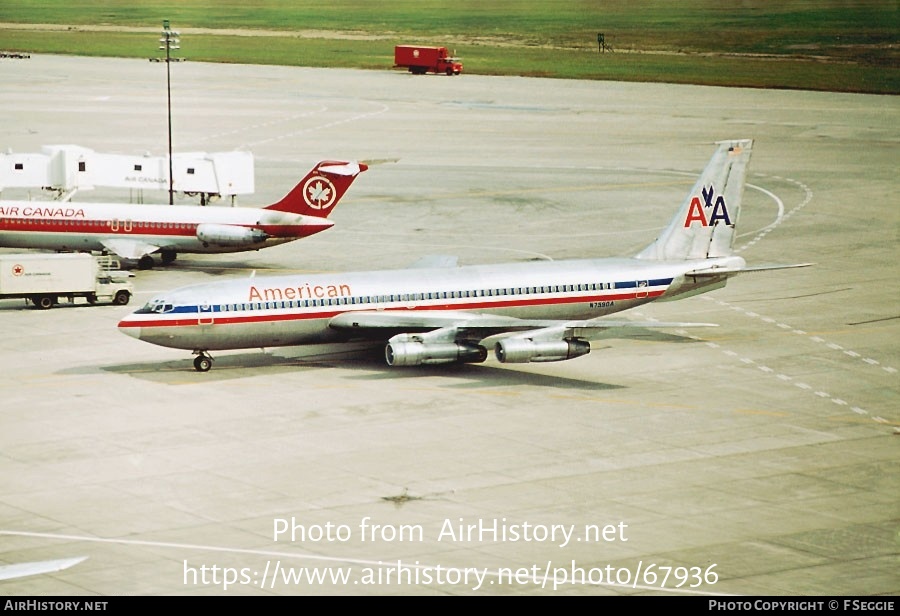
[{"x": 420, "y": 60}]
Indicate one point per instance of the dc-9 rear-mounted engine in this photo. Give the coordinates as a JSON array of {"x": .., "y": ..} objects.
[
  {"x": 230, "y": 235},
  {"x": 523, "y": 350}
]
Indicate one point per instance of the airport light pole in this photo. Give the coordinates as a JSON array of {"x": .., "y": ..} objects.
[{"x": 169, "y": 41}]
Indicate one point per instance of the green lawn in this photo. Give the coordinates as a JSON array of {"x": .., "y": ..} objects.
[{"x": 835, "y": 45}]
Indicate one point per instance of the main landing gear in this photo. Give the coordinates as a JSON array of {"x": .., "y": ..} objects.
[
  {"x": 203, "y": 362},
  {"x": 165, "y": 256}
]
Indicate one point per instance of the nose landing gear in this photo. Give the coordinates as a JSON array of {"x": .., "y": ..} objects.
[{"x": 203, "y": 362}]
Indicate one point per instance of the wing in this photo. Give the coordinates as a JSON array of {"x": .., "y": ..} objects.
[
  {"x": 129, "y": 249},
  {"x": 431, "y": 337},
  {"x": 19, "y": 570}
]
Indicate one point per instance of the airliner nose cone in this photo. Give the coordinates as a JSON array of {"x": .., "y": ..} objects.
[{"x": 129, "y": 330}]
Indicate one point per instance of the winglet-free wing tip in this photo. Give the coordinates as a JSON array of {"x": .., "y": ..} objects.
[{"x": 20, "y": 570}]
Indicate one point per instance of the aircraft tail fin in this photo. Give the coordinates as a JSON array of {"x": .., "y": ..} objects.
[
  {"x": 704, "y": 226},
  {"x": 319, "y": 192}
]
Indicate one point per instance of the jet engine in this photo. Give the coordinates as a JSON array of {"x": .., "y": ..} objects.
[
  {"x": 229, "y": 235},
  {"x": 522, "y": 350},
  {"x": 414, "y": 353}
]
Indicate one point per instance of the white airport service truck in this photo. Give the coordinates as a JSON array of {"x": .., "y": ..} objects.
[{"x": 44, "y": 278}]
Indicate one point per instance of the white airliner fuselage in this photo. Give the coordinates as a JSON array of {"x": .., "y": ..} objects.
[
  {"x": 291, "y": 310},
  {"x": 181, "y": 228}
]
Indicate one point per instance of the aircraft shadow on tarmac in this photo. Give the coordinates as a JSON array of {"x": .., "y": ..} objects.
[
  {"x": 366, "y": 363},
  {"x": 247, "y": 365}
]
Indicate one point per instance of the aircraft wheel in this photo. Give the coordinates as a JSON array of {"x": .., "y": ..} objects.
[
  {"x": 145, "y": 262},
  {"x": 168, "y": 256},
  {"x": 202, "y": 363}
]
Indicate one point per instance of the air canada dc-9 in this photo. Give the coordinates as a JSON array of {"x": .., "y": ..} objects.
[
  {"x": 439, "y": 313},
  {"x": 136, "y": 232}
]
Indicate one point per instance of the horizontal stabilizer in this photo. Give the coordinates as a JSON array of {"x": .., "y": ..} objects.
[
  {"x": 350, "y": 169},
  {"x": 731, "y": 271},
  {"x": 379, "y": 161}
]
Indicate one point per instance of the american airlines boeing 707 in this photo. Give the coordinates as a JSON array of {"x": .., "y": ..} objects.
[
  {"x": 523, "y": 312},
  {"x": 136, "y": 231}
]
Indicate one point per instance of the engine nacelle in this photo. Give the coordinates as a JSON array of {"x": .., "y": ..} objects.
[
  {"x": 414, "y": 353},
  {"x": 522, "y": 350},
  {"x": 229, "y": 235}
]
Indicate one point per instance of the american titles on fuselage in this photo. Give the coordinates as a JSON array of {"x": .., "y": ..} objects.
[
  {"x": 268, "y": 294},
  {"x": 330, "y": 291}
]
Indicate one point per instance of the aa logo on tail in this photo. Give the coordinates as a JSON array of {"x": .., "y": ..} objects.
[{"x": 696, "y": 211}]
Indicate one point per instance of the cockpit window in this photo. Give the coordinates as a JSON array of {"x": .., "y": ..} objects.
[{"x": 159, "y": 306}]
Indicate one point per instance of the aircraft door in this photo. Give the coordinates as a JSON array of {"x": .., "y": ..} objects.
[
  {"x": 205, "y": 314},
  {"x": 641, "y": 289},
  {"x": 115, "y": 224}
]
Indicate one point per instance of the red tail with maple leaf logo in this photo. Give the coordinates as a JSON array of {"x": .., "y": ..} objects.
[{"x": 319, "y": 192}]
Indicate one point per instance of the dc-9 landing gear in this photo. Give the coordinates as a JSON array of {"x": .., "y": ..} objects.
[
  {"x": 167, "y": 256},
  {"x": 203, "y": 362}
]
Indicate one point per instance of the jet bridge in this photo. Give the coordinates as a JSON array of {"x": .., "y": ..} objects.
[{"x": 65, "y": 169}]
